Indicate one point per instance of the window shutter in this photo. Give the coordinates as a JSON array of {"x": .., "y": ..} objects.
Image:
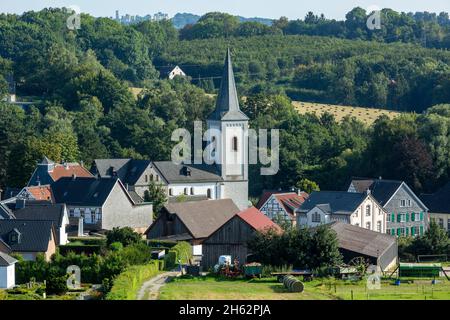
[
  {"x": 407, "y": 231},
  {"x": 407, "y": 217},
  {"x": 413, "y": 216},
  {"x": 399, "y": 232},
  {"x": 399, "y": 217},
  {"x": 421, "y": 216},
  {"x": 421, "y": 230},
  {"x": 393, "y": 217}
]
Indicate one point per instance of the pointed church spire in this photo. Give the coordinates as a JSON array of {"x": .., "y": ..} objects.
[{"x": 227, "y": 105}]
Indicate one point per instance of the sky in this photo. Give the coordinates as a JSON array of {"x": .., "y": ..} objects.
[{"x": 293, "y": 9}]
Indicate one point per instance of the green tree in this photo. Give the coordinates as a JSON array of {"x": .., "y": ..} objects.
[
  {"x": 156, "y": 194},
  {"x": 125, "y": 235},
  {"x": 307, "y": 185}
]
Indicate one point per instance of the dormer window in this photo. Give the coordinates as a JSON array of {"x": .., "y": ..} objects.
[
  {"x": 14, "y": 237},
  {"x": 186, "y": 171}
]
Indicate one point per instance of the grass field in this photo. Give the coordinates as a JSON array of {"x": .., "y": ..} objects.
[
  {"x": 210, "y": 288},
  {"x": 366, "y": 115}
]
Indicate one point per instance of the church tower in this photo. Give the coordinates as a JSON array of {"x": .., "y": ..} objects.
[{"x": 229, "y": 134}]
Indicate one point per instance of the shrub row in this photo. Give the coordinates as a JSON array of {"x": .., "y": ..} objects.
[
  {"x": 127, "y": 284},
  {"x": 181, "y": 251},
  {"x": 161, "y": 243}
]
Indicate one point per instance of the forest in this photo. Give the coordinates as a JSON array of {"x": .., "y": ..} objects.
[{"x": 79, "y": 82}]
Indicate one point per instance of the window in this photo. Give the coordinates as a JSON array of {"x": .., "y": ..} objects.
[
  {"x": 441, "y": 223},
  {"x": 315, "y": 217},
  {"x": 93, "y": 216},
  {"x": 403, "y": 203},
  {"x": 368, "y": 225},
  {"x": 186, "y": 191},
  {"x": 170, "y": 192},
  {"x": 409, "y": 203},
  {"x": 192, "y": 191},
  {"x": 368, "y": 210},
  {"x": 82, "y": 213},
  {"x": 379, "y": 226},
  {"x": 235, "y": 144},
  {"x": 448, "y": 224},
  {"x": 388, "y": 218},
  {"x": 208, "y": 193},
  {"x": 146, "y": 178},
  {"x": 388, "y": 231},
  {"x": 71, "y": 212},
  {"x": 151, "y": 177}
]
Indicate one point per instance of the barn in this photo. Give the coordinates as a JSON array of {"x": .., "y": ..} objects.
[
  {"x": 231, "y": 238},
  {"x": 379, "y": 248}
]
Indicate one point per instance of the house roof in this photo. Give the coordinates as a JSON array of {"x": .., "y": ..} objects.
[
  {"x": 290, "y": 201},
  {"x": 128, "y": 170},
  {"x": 227, "y": 105},
  {"x": 5, "y": 212},
  {"x": 382, "y": 190},
  {"x": 40, "y": 211},
  {"x": 439, "y": 202},
  {"x": 6, "y": 260},
  {"x": 360, "y": 240},
  {"x": 177, "y": 173},
  {"x": 202, "y": 218},
  {"x": 40, "y": 192},
  {"x": 48, "y": 172},
  {"x": 257, "y": 220},
  {"x": 334, "y": 202},
  {"x": 34, "y": 235},
  {"x": 83, "y": 191}
]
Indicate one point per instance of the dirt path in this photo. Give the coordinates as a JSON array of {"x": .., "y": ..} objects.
[{"x": 150, "y": 288}]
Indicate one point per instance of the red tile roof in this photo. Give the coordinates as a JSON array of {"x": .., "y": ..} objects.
[
  {"x": 68, "y": 170},
  {"x": 257, "y": 220},
  {"x": 41, "y": 193},
  {"x": 291, "y": 201}
]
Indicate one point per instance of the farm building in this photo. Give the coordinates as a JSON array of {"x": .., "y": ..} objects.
[
  {"x": 380, "y": 249},
  {"x": 280, "y": 204},
  {"x": 191, "y": 221},
  {"x": 231, "y": 238}
]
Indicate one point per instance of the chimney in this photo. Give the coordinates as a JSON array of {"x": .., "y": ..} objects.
[
  {"x": 74, "y": 176},
  {"x": 368, "y": 191}
]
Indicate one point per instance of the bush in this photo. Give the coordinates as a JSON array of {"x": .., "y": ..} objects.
[
  {"x": 56, "y": 284},
  {"x": 88, "y": 241},
  {"x": 80, "y": 249},
  {"x": 170, "y": 260},
  {"x": 116, "y": 246},
  {"x": 126, "y": 236},
  {"x": 127, "y": 284},
  {"x": 161, "y": 243}
]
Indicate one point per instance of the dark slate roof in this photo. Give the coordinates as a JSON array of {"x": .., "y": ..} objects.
[
  {"x": 128, "y": 170},
  {"x": 334, "y": 202},
  {"x": 136, "y": 198},
  {"x": 6, "y": 260},
  {"x": 35, "y": 235},
  {"x": 83, "y": 191},
  {"x": 438, "y": 202},
  {"x": 176, "y": 173},
  {"x": 362, "y": 241},
  {"x": 202, "y": 218},
  {"x": 227, "y": 105},
  {"x": 383, "y": 190},
  {"x": 39, "y": 211}
]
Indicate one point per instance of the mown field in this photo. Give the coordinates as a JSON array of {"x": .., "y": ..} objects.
[
  {"x": 211, "y": 288},
  {"x": 366, "y": 115}
]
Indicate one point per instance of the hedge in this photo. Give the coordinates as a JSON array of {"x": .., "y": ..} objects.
[
  {"x": 161, "y": 243},
  {"x": 182, "y": 250},
  {"x": 89, "y": 241},
  {"x": 79, "y": 249},
  {"x": 126, "y": 286}
]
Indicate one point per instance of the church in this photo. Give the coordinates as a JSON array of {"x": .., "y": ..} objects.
[{"x": 226, "y": 178}]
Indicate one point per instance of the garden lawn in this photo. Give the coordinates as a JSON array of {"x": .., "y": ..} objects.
[{"x": 211, "y": 288}]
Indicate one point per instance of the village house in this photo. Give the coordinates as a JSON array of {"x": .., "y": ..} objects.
[
  {"x": 226, "y": 178},
  {"x": 191, "y": 221},
  {"x": 48, "y": 172},
  {"x": 37, "y": 193},
  {"x": 281, "y": 205},
  {"x": 57, "y": 213},
  {"x": 438, "y": 204},
  {"x": 7, "y": 271},
  {"x": 102, "y": 203},
  {"x": 406, "y": 213},
  {"x": 377, "y": 248},
  {"x": 28, "y": 238},
  {"x": 176, "y": 72},
  {"x": 231, "y": 238},
  {"x": 358, "y": 209}
]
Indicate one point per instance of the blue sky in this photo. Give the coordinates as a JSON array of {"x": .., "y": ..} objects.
[{"x": 249, "y": 8}]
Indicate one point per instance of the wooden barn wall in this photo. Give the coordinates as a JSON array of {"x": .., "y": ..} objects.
[
  {"x": 230, "y": 239},
  {"x": 163, "y": 227}
]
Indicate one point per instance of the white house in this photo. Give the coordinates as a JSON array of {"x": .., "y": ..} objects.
[
  {"x": 176, "y": 72},
  {"x": 358, "y": 209},
  {"x": 279, "y": 204},
  {"x": 7, "y": 271}
]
